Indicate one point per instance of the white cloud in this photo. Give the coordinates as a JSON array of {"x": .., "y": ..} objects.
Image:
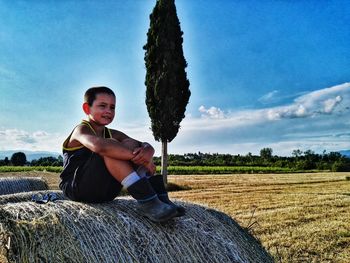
[
  {"x": 212, "y": 112},
  {"x": 320, "y": 100},
  {"x": 324, "y": 101},
  {"x": 40, "y": 134},
  {"x": 269, "y": 97},
  {"x": 312, "y": 121},
  {"x": 14, "y": 139},
  {"x": 330, "y": 104}
]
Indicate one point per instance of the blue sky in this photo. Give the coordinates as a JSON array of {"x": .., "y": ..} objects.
[{"x": 262, "y": 73}]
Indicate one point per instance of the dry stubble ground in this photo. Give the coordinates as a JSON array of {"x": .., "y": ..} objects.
[{"x": 298, "y": 217}]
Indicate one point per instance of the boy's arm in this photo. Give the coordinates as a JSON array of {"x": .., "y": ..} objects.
[
  {"x": 105, "y": 147},
  {"x": 143, "y": 154},
  {"x": 143, "y": 151}
]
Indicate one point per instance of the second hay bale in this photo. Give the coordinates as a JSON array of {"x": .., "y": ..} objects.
[{"x": 11, "y": 185}]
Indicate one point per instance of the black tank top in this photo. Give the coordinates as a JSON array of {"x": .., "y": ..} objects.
[{"x": 76, "y": 156}]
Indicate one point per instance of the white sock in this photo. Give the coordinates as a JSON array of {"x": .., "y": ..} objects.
[{"x": 130, "y": 179}]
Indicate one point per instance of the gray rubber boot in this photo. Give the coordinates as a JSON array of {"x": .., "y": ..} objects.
[
  {"x": 148, "y": 203},
  {"x": 156, "y": 210},
  {"x": 180, "y": 210},
  {"x": 157, "y": 184}
]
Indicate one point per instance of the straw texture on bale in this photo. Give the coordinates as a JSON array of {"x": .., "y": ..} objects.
[
  {"x": 11, "y": 185},
  {"x": 66, "y": 231}
]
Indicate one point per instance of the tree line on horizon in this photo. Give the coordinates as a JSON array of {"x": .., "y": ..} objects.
[
  {"x": 20, "y": 159},
  {"x": 299, "y": 161}
]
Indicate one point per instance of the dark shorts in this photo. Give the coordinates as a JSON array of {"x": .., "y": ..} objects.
[{"x": 92, "y": 182}]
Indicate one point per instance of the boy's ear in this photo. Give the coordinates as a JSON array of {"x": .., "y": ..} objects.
[{"x": 86, "y": 108}]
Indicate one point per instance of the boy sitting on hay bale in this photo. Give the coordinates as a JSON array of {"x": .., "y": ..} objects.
[{"x": 99, "y": 161}]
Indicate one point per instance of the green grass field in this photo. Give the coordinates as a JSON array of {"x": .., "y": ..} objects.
[
  {"x": 303, "y": 217},
  {"x": 171, "y": 169}
]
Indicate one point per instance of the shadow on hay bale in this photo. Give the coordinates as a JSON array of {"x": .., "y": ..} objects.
[
  {"x": 11, "y": 185},
  {"x": 66, "y": 231}
]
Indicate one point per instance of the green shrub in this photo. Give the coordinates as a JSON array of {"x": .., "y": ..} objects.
[{"x": 339, "y": 166}]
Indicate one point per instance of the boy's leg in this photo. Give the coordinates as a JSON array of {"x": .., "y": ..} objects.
[
  {"x": 92, "y": 182},
  {"x": 119, "y": 169},
  {"x": 157, "y": 183},
  {"x": 140, "y": 188}
]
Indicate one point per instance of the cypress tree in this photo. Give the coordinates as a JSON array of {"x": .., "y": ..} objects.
[{"x": 167, "y": 92}]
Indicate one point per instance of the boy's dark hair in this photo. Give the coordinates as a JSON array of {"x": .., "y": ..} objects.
[{"x": 90, "y": 94}]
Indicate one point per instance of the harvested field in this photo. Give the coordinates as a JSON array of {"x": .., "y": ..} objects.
[
  {"x": 66, "y": 231},
  {"x": 298, "y": 217},
  {"x": 301, "y": 217}
]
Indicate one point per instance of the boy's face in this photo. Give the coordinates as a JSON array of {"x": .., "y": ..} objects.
[{"x": 102, "y": 110}]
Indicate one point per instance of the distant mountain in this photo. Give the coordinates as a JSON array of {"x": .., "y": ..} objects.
[
  {"x": 31, "y": 155},
  {"x": 345, "y": 153}
]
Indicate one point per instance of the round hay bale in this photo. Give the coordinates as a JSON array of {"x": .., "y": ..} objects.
[
  {"x": 11, "y": 185},
  {"x": 66, "y": 231}
]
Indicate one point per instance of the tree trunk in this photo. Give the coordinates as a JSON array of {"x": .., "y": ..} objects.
[{"x": 165, "y": 162}]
